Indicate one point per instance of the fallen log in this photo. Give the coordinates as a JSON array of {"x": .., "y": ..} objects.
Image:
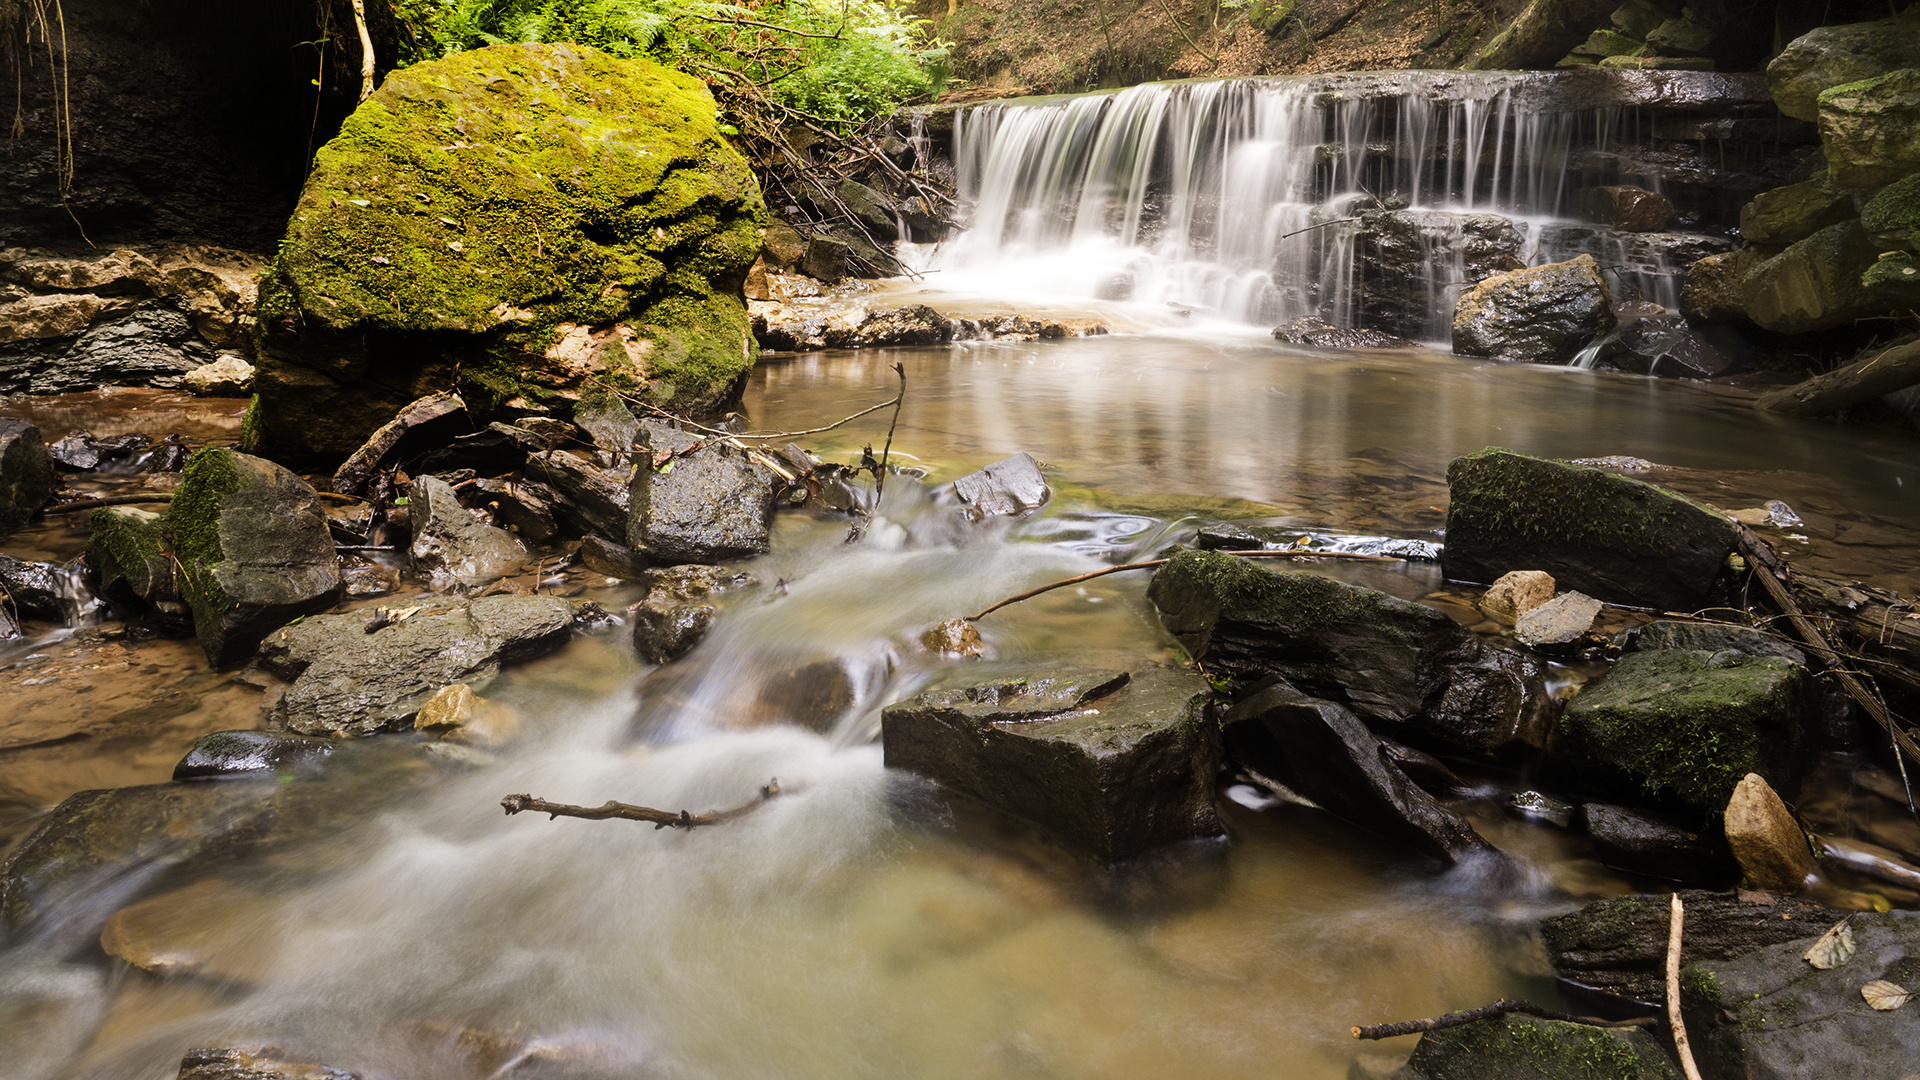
[
  {"x": 1856, "y": 384},
  {"x": 660, "y": 819}
]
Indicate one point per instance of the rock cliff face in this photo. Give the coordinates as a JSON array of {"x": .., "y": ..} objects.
[{"x": 509, "y": 222}]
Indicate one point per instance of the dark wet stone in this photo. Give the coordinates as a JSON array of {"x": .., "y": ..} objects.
[
  {"x": 1542, "y": 314},
  {"x": 826, "y": 258},
  {"x": 131, "y": 554},
  {"x": 350, "y": 682},
  {"x": 1629, "y": 209},
  {"x": 251, "y": 753},
  {"x": 1006, "y": 488},
  {"x": 1398, "y": 664},
  {"x": 1685, "y": 725},
  {"x": 1534, "y": 806},
  {"x": 607, "y": 557},
  {"x": 222, "y": 1063},
  {"x": 352, "y": 522},
  {"x": 606, "y": 420},
  {"x": 450, "y": 546},
  {"x": 708, "y": 505},
  {"x": 1770, "y": 1015},
  {"x": 1618, "y": 539},
  {"x": 1641, "y": 843},
  {"x": 1618, "y": 947},
  {"x": 814, "y": 696},
  {"x": 1707, "y": 637},
  {"x": 362, "y": 577},
  {"x": 1519, "y": 1047},
  {"x": 9, "y": 624},
  {"x": 34, "y": 588},
  {"x": 1322, "y": 751},
  {"x": 496, "y": 449},
  {"x": 1320, "y": 334},
  {"x": 253, "y": 548},
  {"x": 423, "y": 425},
  {"x": 26, "y": 473},
  {"x": 1112, "y": 763},
  {"x": 1398, "y": 279},
  {"x": 677, "y": 611},
  {"x": 593, "y": 501},
  {"x": 524, "y": 508},
  {"x": 76, "y": 452}
]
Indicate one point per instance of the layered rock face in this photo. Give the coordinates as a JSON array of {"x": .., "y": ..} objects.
[{"x": 509, "y": 222}]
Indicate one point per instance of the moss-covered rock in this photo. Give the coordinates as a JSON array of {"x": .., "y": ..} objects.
[
  {"x": 1814, "y": 284},
  {"x": 1515, "y": 1047},
  {"x": 508, "y": 222},
  {"x": 1833, "y": 55},
  {"x": 1892, "y": 216},
  {"x": 1895, "y": 278},
  {"x": 1867, "y": 128},
  {"x": 1686, "y": 725},
  {"x": 26, "y": 473},
  {"x": 1795, "y": 212},
  {"x": 131, "y": 553}
]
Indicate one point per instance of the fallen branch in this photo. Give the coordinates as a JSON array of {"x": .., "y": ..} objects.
[
  {"x": 1284, "y": 554},
  {"x": 111, "y": 500},
  {"x": 1322, "y": 225},
  {"x": 1486, "y": 1012},
  {"x": 1680, "y": 1044},
  {"x": 661, "y": 819},
  {"x": 1855, "y": 384}
]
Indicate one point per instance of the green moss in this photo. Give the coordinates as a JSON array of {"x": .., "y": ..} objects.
[
  {"x": 1554, "y": 501},
  {"x": 1700, "y": 985},
  {"x": 1524, "y": 1047},
  {"x": 131, "y": 545},
  {"x": 194, "y": 520},
  {"x": 1893, "y": 216},
  {"x": 250, "y": 426}
]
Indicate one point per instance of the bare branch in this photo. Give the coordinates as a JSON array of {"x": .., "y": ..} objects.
[
  {"x": 660, "y": 819},
  {"x": 1498, "y": 1008}
]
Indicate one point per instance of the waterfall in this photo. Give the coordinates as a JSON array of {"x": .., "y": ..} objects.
[{"x": 1364, "y": 200}]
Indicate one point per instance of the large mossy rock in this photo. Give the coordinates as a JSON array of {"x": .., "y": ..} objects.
[
  {"x": 510, "y": 222},
  {"x": 1833, "y": 55},
  {"x": 1770, "y": 1015},
  {"x": 1867, "y": 128},
  {"x": 1542, "y": 314},
  {"x": 1114, "y": 763},
  {"x": 131, "y": 554},
  {"x": 1396, "y": 663},
  {"x": 1518, "y": 1047},
  {"x": 1611, "y": 537},
  {"x": 1814, "y": 284},
  {"x": 254, "y": 550},
  {"x": 1686, "y": 725},
  {"x": 1794, "y": 212},
  {"x": 1892, "y": 217}
]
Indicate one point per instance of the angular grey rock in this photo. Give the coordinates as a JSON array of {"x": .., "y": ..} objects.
[
  {"x": 708, "y": 505},
  {"x": 1640, "y": 843},
  {"x": 676, "y": 612},
  {"x": 1559, "y": 621},
  {"x": 251, "y": 753},
  {"x": 1007, "y": 488},
  {"x": 1113, "y": 764},
  {"x": 422, "y": 425},
  {"x": 26, "y": 473},
  {"x": 1322, "y": 751},
  {"x": 606, "y": 420},
  {"x": 594, "y": 501},
  {"x": 607, "y": 557},
  {"x": 1542, "y": 314},
  {"x": 253, "y": 548},
  {"x": 347, "y": 681},
  {"x": 1706, "y": 637},
  {"x": 450, "y": 546}
]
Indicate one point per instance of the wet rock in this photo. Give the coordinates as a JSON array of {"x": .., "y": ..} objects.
[
  {"x": 1641, "y": 843},
  {"x": 1814, "y": 284},
  {"x": 1322, "y": 751},
  {"x": 100, "y": 844},
  {"x": 1770, "y": 1015},
  {"x": 1618, "y": 947},
  {"x": 179, "y": 932},
  {"x": 1022, "y": 328},
  {"x": 254, "y": 550},
  {"x": 132, "y": 555},
  {"x": 1662, "y": 345},
  {"x": 422, "y": 425},
  {"x": 1519, "y": 1047},
  {"x": 26, "y": 473},
  {"x": 347, "y": 681},
  {"x": 1320, "y": 334},
  {"x": 351, "y": 522},
  {"x": 607, "y": 557},
  {"x": 1534, "y": 806},
  {"x": 251, "y": 753},
  {"x": 1832, "y": 55},
  {"x": 1516, "y": 593},
  {"x": 1009, "y": 487},
  {"x": 1708, "y": 637},
  {"x": 80, "y": 451},
  {"x": 459, "y": 715},
  {"x": 1710, "y": 291},
  {"x": 1769, "y": 845},
  {"x": 1792, "y": 213},
  {"x": 1611, "y": 537},
  {"x": 678, "y": 611},
  {"x": 606, "y": 420},
  {"x": 522, "y": 507},
  {"x": 450, "y": 546},
  {"x": 815, "y": 696},
  {"x": 1629, "y": 209},
  {"x": 1113, "y": 763},
  {"x": 916, "y": 324},
  {"x": 1892, "y": 217},
  {"x": 1398, "y": 664},
  {"x": 1396, "y": 274},
  {"x": 954, "y": 637},
  {"x": 227, "y": 376},
  {"x": 594, "y": 501},
  {"x": 362, "y": 577},
  {"x": 225, "y": 1063},
  {"x": 33, "y": 589},
  {"x": 826, "y": 258},
  {"x": 706, "y": 506},
  {"x": 1542, "y": 314},
  {"x": 1866, "y": 128},
  {"x": 1563, "y": 620},
  {"x": 76, "y": 452},
  {"x": 1686, "y": 726}
]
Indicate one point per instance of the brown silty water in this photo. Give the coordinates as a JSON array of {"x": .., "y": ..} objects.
[{"x": 865, "y": 923}]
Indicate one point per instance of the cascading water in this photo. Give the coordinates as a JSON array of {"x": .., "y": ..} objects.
[{"x": 1363, "y": 200}]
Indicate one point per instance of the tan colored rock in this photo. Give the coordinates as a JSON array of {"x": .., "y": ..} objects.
[
  {"x": 1516, "y": 593},
  {"x": 956, "y": 637},
  {"x": 228, "y": 376},
  {"x": 459, "y": 715},
  {"x": 1559, "y": 621},
  {"x": 196, "y": 930},
  {"x": 56, "y": 315},
  {"x": 1770, "y": 846}
]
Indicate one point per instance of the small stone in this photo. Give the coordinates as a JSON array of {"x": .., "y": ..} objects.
[
  {"x": 1753, "y": 515},
  {"x": 1515, "y": 593},
  {"x": 1769, "y": 844},
  {"x": 227, "y": 376},
  {"x": 1006, "y": 488},
  {"x": 955, "y": 637},
  {"x": 608, "y": 558},
  {"x": 1559, "y": 621},
  {"x": 678, "y": 611},
  {"x": 251, "y": 753},
  {"x": 226, "y": 1063},
  {"x": 459, "y": 715}
]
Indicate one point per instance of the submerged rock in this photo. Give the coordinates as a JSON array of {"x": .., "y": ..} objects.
[
  {"x": 1006, "y": 488},
  {"x": 1113, "y": 763},
  {"x": 1322, "y": 751},
  {"x": 677, "y": 611},
  {"x": 1542, "y": 314},
  {"x": 225, "y": 1063},
  {"x": 450, "y": 546},
  {"x": 253, "y": 548},
  {"x": 251, "y": 753},
  {"x": 1519, "y": 1047},
  {"x": 702, "y": 505},
  {"x": 1611, "y": 537},
  {"x": 1320, "y": 334},
  {"x": 26, "y": 473}
]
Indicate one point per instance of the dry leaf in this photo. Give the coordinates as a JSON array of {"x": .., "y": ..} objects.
[
  {"x": 1834, "y": 948},
  {"x": 1885, "y": 996}
]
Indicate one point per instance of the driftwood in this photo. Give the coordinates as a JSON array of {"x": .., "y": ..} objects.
[
  {"x": 660, "y": 819},
  {"x": 1855, "y": 384},
  {"x": 1485, "y": 1012},
  {"x": 1678, "y": 1025},
  {"x": 1077, "y": 579},
  {"x": 112, "y": 500}
]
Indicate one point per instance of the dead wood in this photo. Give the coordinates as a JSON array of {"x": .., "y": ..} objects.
[
  {"x": 660, "y": 819},
  {"x": 1674, "y": 1021},
  {"x": 1485, "y": 1012},
  {"x": 1855, "y": 384},
  {"x": 112, "y": 500}
]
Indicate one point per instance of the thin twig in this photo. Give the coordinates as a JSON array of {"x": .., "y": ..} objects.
[
  {"x": 880, "y": 474},
  {"x": 1680, "y": 1044},
  {"x": 1485, "y": 1012},
  {"x": 1286, "y": 554},
  {"x": 112, "y": 500},
  {"x": 660, "y": 819},
  {"x": 1322, "y": 225}
]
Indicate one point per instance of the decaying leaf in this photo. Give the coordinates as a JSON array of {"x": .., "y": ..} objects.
[
  {"x": 1834, "y": 948},
  {"x": 1885, "y": 996}
]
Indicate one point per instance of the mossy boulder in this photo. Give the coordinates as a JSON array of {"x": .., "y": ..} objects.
[
  {"x": 509, "y": 222},
  {"x": 1611, "y": 537},
  {"x": 131, "y": 553},
  {"x": 1517, "y": 1047},
  {"x": 1685, "y": 725},
  {"x": 253, "y": 550},
  {"x": 1892, "y": 217},
  {"x": 1867, "y": 128},
  {"x": 1834, "y": 55},
  {"x": 1795, "y": 212},
  {"x": 1814, "y": 284}
]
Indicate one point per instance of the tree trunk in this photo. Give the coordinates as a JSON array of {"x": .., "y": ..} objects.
[
  {"x": 1546, "y": 31},
  {"x": 1856, "y": 384}
]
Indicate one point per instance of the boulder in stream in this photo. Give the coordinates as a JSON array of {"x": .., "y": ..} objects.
[
  {"x": 1520, "y": 1047},
  {"x": 1785, "y": 215},
  {"x": 1394, "y": 265},
  {"x": 1112, "y": 762},
  {"x": 1007, "y": 488},
  {"x": 33, "y": 588},
  {"x": 451, "y": 546},
  {"x": 1563, "y": 620},
  {"x": 1618, "y": 539},
  {"x": 678, "y": 609},
  {"x": 131, "y": 554},
  {"x": 1708, "y": 637},
  {"x": 705, "y": 503},
  {"x": 252, "y": 753},
  {"x": 1769, "y": 844},
  {"x": 1516, "y": 593},
  {"x": 227, "y": 376},
  {"x": 26, "y": 473},
  {"x": 1320, "y": 334},
  {"x": 1642, "y": 843},
  {"x": 1814, "y": 284},
  {"x": 1542, "y": 314},
  {"x": 253, "y": 548}
]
